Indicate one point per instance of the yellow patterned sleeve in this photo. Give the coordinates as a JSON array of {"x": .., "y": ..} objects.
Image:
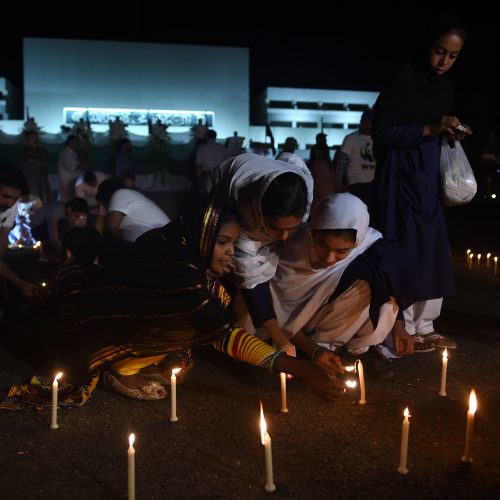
[{"x": 241, "y": 345}]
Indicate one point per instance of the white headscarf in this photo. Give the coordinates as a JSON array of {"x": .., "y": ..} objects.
[
  {"x": 244, "y": 179},
  {"x": 300, "y": 286}
]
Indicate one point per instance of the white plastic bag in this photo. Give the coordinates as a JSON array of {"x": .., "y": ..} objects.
[{"x": 458, "y": 184}]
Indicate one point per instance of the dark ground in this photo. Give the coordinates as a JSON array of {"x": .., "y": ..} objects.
[{"x": 320, "y": 449}]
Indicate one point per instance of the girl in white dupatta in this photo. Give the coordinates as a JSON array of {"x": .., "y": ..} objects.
[
  {"x": 334, "y": 273},
  {"x": 272, "y": 197}
]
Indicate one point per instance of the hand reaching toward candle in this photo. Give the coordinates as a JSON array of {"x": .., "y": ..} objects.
[
  {"x": 329, "y": 361},
  {"x": 402, "y": 340},
  {"x": 313, "y": 375}
]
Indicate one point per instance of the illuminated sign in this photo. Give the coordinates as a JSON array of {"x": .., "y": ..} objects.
[{"x": 176, "y": 118}]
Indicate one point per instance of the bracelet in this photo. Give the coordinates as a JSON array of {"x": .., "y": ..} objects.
[
  {"x": 274, "y": 358},
  {"x": 316, "y": 349}
]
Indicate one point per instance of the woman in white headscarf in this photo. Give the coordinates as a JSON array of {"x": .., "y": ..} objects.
[
  {"x": 273, "y": 198},
  {"x": 339, "y": 283}
]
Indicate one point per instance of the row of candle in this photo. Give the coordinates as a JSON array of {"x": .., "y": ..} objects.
[
  {"x": 266, "y": 438},
  {"x": 470, "y": 259}
]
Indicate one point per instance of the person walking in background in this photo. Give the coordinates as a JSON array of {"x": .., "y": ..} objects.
[
  {"x": 355, "y": 162},
  {"x": 35, "y": 167},
  {"x": 68, "y": 168},
  {"x": 209, "y": 155},
  {"x": 410, "y": 117},
  {"x": 321, "y": 170}
]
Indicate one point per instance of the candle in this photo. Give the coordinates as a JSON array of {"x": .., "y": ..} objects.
[
  {"x": 284, "y": 409},
  {"x": 131, "y": 467},
  {"x": 361, "y": 375},
  {"x": 173, "y": 394},
  {"x": 442, "y": 391},
  {"x": 478, "y": 258},
  {"x": 488, "y": 256},
  {"x": 266, "y": 441},
  {"x": 55, "y": 389},
  {"x": 471, "y": 256},
  {"x": 470, "y": 427},
  {"x": 404, "y": 443},
  {"x": 467, "y": 255},
  {"x": 496, "y": 263},
  {"x": 44, "y": 284}
]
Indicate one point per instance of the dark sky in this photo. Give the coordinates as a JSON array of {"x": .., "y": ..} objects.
[{"x": 341, "y": 45}]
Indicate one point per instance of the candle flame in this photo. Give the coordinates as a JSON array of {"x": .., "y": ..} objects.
[
  {"x": 495, "y": 259},
  {"x": 58, "y": 376},
  {"x": 468, "y": 251},
  {"x": 488, "y": 255},
  {"x": 478, "y": 256},
  {"x": 348, "y": 368},
  {"x": 471, "y": 255},
  {"x": 350, "y": 383},
  {"x": 263, "y": 425},
  {"x": 43, "y": 283},
  {"x": 445, "y": 354},
  {"x": 406, "y": 413},
  {"x": 175, "y": 371},
  {"x": 131, "y": 439},
  {"x": 472, "y": 402}
]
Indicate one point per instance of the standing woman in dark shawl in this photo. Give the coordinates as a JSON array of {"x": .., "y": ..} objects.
[{"x": 410, "y": 118}]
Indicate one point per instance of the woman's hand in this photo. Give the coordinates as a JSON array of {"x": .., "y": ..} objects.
[
  {"x": 450, "y": 126},
  {"x": 313, "y": 375},
  {"x": 26, "y": 288},
  {"x": 289, "y": 349},
  {"x": 328, "y": 360},
  {"x": 402, "y": 340}
]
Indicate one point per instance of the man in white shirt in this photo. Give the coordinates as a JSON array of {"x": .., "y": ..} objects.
[
  {"x": 355, "y": 162},
  {"x": 68, "y": 168},
  {"x": 12, "y": 183},
  {"x": 209, "y": 155},
  {"x": 129, "y": 213}
]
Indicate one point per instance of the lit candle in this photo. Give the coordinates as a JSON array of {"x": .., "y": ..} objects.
[
  {"x": 131, "y": 467},
  {"x": 470, "y": 427},
  {"x": 348, "y": 368},
  {"x": 471, "y": 256},
  {"x": 478, "y": 258},
  {"x": 496, "y": 264},
  {"x": 361, "y": 375},
  {"x": 173, "y": 394},
  {"x": 350, "y": 384},
  {"x": 442, "y": 391},
  {"x": 284, "y": 409},
  {"x": 467, "y": 255},
  {"x": 266, "y": 441},
  {"x": 488, "y": 256},
  {"x": 44, "y": 284},
  {"x": 404, "y": 443},
  {"x": 55, "y": 389}
]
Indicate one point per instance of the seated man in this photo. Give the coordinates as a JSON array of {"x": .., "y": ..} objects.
[
  {"x": 129, "y": 213},
  {"x": 52, "y": 221},
  {"x": 12, "y": 183}
]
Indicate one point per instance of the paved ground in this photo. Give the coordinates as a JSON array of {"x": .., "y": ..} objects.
[{"x": 321, "y": 450}]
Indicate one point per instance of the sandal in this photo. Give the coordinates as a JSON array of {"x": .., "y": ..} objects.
[
  {"x": 421, "y": 344},
  {"x": 439, "y": 341},
  {"x": 150, "y": 392}
]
